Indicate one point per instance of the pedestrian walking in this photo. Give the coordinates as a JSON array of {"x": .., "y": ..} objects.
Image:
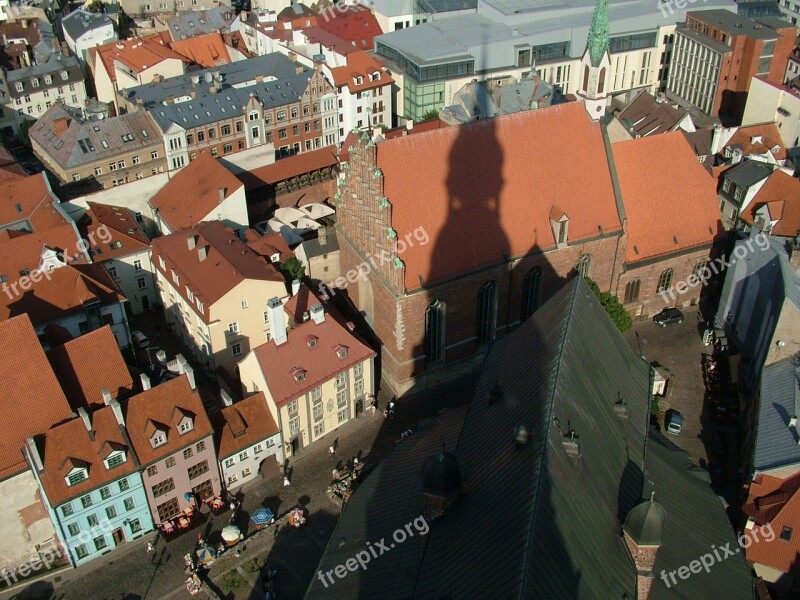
[
  {"x": 286, "y": 482},
  {"x": 332, "y": 451},
  {"x": 150, "y": 547},
  {"x": 335, "y": 474}
]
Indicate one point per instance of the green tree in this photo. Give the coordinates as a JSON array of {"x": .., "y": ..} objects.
[
  {"x": 613, "y": 307},
  {"x": 431, "y": 114},
  {"x": 293, "y": 269}
]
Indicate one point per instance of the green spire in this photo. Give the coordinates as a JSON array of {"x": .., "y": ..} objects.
[{"x": 597, "y": 44}]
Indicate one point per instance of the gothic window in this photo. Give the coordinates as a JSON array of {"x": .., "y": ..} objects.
[
  {"x": 531, "y": 292},
  {"x": 584, "y": 265},
  {"x": 632, "y": 290},
  {"x": 487, "y": 312},
  {"x": 664, "y": 280},
  {"x": 435, "y": 331}
]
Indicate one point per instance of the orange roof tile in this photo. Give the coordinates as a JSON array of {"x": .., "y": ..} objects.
[
  {"x": 489, "y": 188},
  {"x": 24, "y": 252},
  {"x": 87, "y": 365},
  {"x": 244, "y": 424},
  {"x": 70, "y": 444},
  {"x": 29, "y": 199},
  {"x": 32, "y": 401},
  {"x": 321, "y": 363},
  {"x": 123, "y": 229},
  {"x": 63, "y": 292},
  {"x": 770, "y": 138},
  {"x": 268, "y": 245},
  {"x": 157, "y": 406},
  {"x": 138, "y": 54},
  {"x": 775, "y": 503},
  {"x": 781, "y": 192},
  {"x": 193, "y": 193},
  {"x": 356, "y": 25},
  {"x": 289, "y": 167},
  {"x": 690, "y": 198},
  {"x": 228, "y": 262},
  {"x": 207, "y": 50},
  {"x": 360, "y": 64}
]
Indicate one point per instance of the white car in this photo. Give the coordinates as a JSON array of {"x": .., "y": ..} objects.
[{"x": 140, "y": 339}]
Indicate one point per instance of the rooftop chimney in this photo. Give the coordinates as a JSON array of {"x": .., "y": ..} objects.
[
  {"x": 221, "y": 195},
  {"x": 145, "y": 381},
  {"x": 317, "y": 313},
  {"x": 117, "y": 410},
  {"x": 202, "y": 252},
  {"x": 184, "y": 368},
  {"x": 277, "y": 320},
  {"x": 441, "y": 484},
  {"x": 33, "y": 452},
  {"x": 192, "y": 241},
  {"x": 322, "y": 236},
  {"x": 226, "y": 397},
  {"x": 87, "y": 422},
  {"x": 106, "y": 396},
  {"x": 295, "y": 287}
]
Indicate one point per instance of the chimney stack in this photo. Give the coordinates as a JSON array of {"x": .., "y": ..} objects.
[
  {"x": 184, "y": 368},
  {"x": 106, "y": 396},
  {"x": 33, "y": 452},
  {"x": 317, "y": 313},
  {"x": 643, "y": 532},
  {"x": 226, "y": 397},
  {"x": 221, "y": 195},
  {"x": 145, "y": 381},
  {"x": 295, "y": 287},
  {"x": 277, "y": 320},
  {"x": 87, "y": 422},
  {"x": 117, "y": 409},
  {"x": 322, "y": 236}
]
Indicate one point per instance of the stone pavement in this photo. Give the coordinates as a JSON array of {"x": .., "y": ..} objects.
[{"x": 130, "y": 573}]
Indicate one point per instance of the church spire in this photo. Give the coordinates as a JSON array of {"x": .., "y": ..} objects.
[{"x": 597, "y": 43}]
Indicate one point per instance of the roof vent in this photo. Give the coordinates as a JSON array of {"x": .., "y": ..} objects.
[
  {"x": 571, "y": 444},
  {"x": 622, "y": 410},
  {"x": 793, "y": 422}
]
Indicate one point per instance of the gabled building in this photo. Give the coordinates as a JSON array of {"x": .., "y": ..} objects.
[
  {"x": 28, "y": 410},
  {"x": 26, "y": 41},
  {"x": 247, "y": 439},
  {"x": 775, "y": 209},
  {"x": 112, "y": 151},
  {"x": 364, "y": 92},
  {"x": 84, "y": 30},
  {"x": 202, "y": 191},
  {"x": 214, "y": 291},
  {"x": 126, "y": 256},
  {"x": 174, "y": 441},
  {"x": 315, "y": 376},
  {"x": 647, "y": 115},
  {"x": 89, "y": 478},
  {"x": 355, "y": 24},
  {"x": 91, "y": 369},
  {"x": 769, "y": 102},
  {"x": 739, "y": 185},
  {"x": 196, "y": 21}
]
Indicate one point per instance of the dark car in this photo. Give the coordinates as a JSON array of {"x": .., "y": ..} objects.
[{"x": 667, "y": 316}]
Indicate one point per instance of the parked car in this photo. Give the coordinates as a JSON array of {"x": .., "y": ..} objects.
[
  {"x": 140, "y": 339},
  {"x": 674, "y": 422},
  {"x": 668, "y": 316}
]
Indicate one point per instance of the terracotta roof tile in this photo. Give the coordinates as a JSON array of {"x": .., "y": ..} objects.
[
  {"x": 193, "y": 193},
  {"x": 228, "y": 262},
  {"x": 781, "y": 194},
  {"x": 679, "y": 186},
  {"x": 32, "y": 401},
  {"x": 321, "y": 363},
  {"x": 289, "y": 167},
  {"x": 489, "y": 188},
  {"x": 360, "y": 64},
  {"x": 356, "y": 25},
  {"x": 770, "y": 138},
  {"x": 244, "y": 424},
  {"x": 124, "y": 229},
  {"x": 318, "y": 35},
  {"x": 268, "y": 245},
  {"x": 156, "y": 405},
  {"x": 29, "y": 198},
  {"x": 69, "y": 445},
  {"x": 24, "y": 252},
  {"x": 137, "y": 54},
  {"x": 87, "y": 365},
  {"x": 774, "y": 502},
  {"x": 207, "y": 50}
]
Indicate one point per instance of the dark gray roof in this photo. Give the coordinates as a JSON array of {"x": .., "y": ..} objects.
[
  {"x": 533, "y": 522},
  {"x": 647, "y": 115},
  {"x": 313, "y": 248},
  {"x": 235, "y": 83},
  {"x": 645, "y": 523},
  {"x": 734, "y": 24},
  {"x": 776, "y": 442},
  {"x": 55, "y": 65},
  {"x": 79, "y": 22},
  {"x": 696, "y": 521},
  {"x": 748, "y": 172},
  {"x": 189, "y": 24}
]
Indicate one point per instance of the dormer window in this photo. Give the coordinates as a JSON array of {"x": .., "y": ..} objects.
[
  {"x": 312, "y": 341},
  {"x": 64, "y": 75},
  {"x": 275, "y": 258},
  {"x": 35, "y": 82},
  {"x": 376, "y": 76},
  {"x": 158, "y": 440},
  {"x": 19, "y": 86},
  {"x": 186, "y": 426},
  {"x": 299, "y": 375},
  {"x": 559, "y": 221},
  {"x": 359, "y": 80},
  {"x": 341, "y": 351},
  {"x": 76, "y": 476}
]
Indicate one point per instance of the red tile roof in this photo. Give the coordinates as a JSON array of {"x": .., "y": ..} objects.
[
  {"x": 680, "y": 187},
  {"x": 24, "y": 252},
  {"x": 774, "y": 502},
  {"x": 268, "y": 245},
  {"x": 193, "y": 193},
  {"x": 291, "y": 166},
  {"x": 243, "y": 424},
  {"x": 138, "y": 54},
  {"x": 228, "y": 263},
  {"x": 87, "y": 365},
  {"x": 770, "y": 138},
  {"x": 360, "y": 64},
  {"x": 207, "y": 50},
  {"x": 317, "y": 35},
  {"x": 356, "y": 25},
  {"x": 32, "y": 401},
  {"x": 781, "y": 193},
  {"x": 489, "y": 188},
  {"x": 321, "y": 363},
  {"x": 29, "y": 198},
  {"x": 70, "y": 444},
  {"x": 64, "y": 293},
  {"x": 123, "y": 227},
  {"x": 157, "y": 406}
]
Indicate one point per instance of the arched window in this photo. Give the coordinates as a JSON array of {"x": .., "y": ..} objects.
[
  {"x": 584, "y": 265},
  {"x": 585, "y": 78},
  {"x": 602, "y": 81},
  {"x": 531, "y": 292},
  {"x": 434, "y": 331},
  {"x": 698, "y": 267},
  {"x": 664, "y": 280},
  {"x": 487, "y": 312},
  {"x": 632, "y": 290}
]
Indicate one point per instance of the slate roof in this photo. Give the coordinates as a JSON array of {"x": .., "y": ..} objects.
[
  {"x": 238, "y": 84},
  {"x": 314, "y": 248},
  {"x": 190, "y": 23},
  {"x": 748, "y": 172},
  {"x": 532, "y": 523},
  {"x": 79, "y": 22},
  {"x": 32, "y": 400},
  {"x": 775, "y": 442},
  {"x": 737, "y": 25},
  {"x": 55, "y": 65},
  {"x": 645, "y": 116},
  {"x": 700, "y": 141},
  {"x": 695, "y": 520},
  {"x": 488, "y": 181},
  {"x": 70, "y": 141}
]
